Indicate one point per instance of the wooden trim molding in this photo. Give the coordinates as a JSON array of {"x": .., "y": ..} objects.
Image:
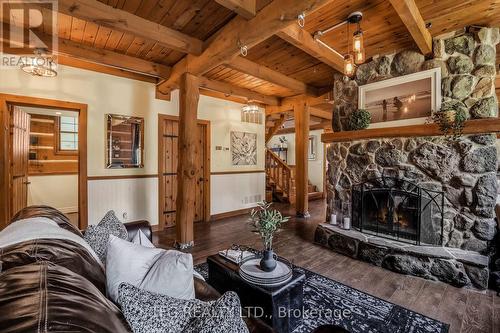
[
  {"x": 122, "y": 177},
  {"x": 232, "y": 213},
  {"x": 478, "y": 126},
  {"x": 236, "y": 172},
  {"x": 5, "y": 190}
]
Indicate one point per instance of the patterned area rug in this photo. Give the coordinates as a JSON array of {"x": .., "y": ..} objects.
[{"x": 331, "y": 302}]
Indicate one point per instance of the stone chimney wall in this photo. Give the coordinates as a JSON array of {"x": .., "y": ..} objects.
[{"x": 464, "y": 170}]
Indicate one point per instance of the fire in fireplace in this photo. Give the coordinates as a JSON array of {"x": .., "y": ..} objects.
[{"x": 397, "y": 209}]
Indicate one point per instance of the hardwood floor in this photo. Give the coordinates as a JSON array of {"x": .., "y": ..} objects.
[{"x": 465, "y": 310}]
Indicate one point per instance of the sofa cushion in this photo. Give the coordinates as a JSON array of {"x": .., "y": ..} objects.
[
  {"x": 44, "y": 297},
  {"x": 48, "y": 212},
  {"x": 148, "y": 312},
  {"x": 141, "y": 239},
  {"x": 97, "y": 235},
  {"x": 153, "y": 269},
  {"x": 65, "y": 253}
]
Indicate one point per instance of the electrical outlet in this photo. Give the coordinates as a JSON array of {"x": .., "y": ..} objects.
[{"x": 125, "y": 215}]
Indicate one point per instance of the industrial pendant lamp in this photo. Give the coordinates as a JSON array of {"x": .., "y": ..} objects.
[
  {"x": 348, "y": 59},
  {"x": 358, "y": 47}
]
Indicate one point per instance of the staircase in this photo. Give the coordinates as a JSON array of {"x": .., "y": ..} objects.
[{"x": 280, "y": 180}]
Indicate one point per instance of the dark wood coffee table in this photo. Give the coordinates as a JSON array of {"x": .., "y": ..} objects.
[{"x": 280, "y": 307}]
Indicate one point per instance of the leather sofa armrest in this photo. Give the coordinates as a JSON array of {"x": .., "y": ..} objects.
[
  {"x": 135, "y": 226},
  {"x": 203, "y": 291}
]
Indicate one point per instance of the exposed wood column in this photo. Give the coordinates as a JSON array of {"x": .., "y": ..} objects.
[
  {"x": 301, "y": 115},
  {"x": 188, "y": 154}
]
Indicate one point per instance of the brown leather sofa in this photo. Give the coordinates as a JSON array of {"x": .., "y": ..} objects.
[{"x": 50, "y": 285}]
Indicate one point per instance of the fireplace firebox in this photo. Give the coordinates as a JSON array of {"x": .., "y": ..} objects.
[{"x": 398, "y": 209}]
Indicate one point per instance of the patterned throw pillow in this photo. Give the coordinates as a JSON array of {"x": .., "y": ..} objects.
[
  {"x": 97, "y": 235},
  {"x": 148, "y": 312}
]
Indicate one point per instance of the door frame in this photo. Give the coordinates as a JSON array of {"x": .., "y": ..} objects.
[
  {"x": 206, "y": 183},
  {"x": 5, "y": 144}
]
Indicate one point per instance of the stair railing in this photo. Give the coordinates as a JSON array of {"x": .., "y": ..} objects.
[{"x": 279, "y": 172}]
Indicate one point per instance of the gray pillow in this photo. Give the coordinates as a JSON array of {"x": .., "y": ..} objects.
[
  {"x": 167, "y": 272},
  {"x": 148, "y": 312},
  {"x": 97, "y": 235}
]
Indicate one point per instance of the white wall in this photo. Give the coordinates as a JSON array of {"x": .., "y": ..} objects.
[
  {"x": 58, "y": 191},
  {"x": 104, "y": 94},
  {"x": 315, "y": 167}
]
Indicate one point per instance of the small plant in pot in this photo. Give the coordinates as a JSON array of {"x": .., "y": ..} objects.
[
  {"x": 359, "y": 119},
  {"x": 450, "y": 122},
  {"x": 267, "y": 222}
]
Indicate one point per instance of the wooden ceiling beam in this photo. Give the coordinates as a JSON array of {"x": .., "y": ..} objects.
[
  {"x": 117, "y": 19},
  {"x": 313, "y": 127},
  {"x": 68, "y": 48},
  {"x": 412, "y": 19},
  {"x": 267, "y": 74},
  {"x": 239, "y": 32},
  {"x": 244, "y": 8},
  {"x": 232, "y": 90},
  {"x": 303, "y": 40},
  {"x": 277, "y": 124},
  {"x": 288, "y": 109}
]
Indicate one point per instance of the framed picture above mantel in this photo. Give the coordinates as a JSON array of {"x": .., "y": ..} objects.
[{"x": 404, "y": 100}]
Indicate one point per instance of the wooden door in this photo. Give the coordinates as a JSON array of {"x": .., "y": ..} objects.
[
  {"x": 168, "y": 156},
  {"x": 20, "y": 139}
]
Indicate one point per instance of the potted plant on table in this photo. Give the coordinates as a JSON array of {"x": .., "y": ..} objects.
[{"x": 267, "y": 222}]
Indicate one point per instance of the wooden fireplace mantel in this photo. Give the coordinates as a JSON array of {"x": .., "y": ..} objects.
[{"x": 478, "y": 126}]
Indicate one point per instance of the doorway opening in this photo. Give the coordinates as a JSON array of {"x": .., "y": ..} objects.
[
  {"x": 168, "y": 155},
  {"x": 46, "y": 156}
]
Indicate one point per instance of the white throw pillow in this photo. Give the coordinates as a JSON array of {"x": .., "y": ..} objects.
[
  {"x": 141, "y": 239},
  {"x": 157, "y": 270}
]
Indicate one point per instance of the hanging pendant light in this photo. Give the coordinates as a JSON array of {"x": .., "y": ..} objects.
[
  {"x": 358, "y": 45},
  {"x": 349, "y": 65},
  {"x": 250, "y": 113},
  {"x": 39, "y": 65},
  {"x": 357, "y": 41},
  {"x": 348, "y": 59}
]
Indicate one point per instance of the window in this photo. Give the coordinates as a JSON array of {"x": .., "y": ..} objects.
[{"x": 68, "y": 133}]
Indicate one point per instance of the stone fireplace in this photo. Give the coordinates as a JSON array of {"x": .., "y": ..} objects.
[
  {"x": 397, "y": 209},
  {"x": 423, "y": 206}
]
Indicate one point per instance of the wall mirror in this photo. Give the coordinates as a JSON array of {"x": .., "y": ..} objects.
[{"x": 124, "y": 142}]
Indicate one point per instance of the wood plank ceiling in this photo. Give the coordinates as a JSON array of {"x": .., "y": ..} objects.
[{"x": 383, "y": 30}]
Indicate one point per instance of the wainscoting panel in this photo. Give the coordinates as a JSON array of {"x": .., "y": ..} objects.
[
  {"x": 135, "y": 197},
  {"x": 235, "y": 191}
]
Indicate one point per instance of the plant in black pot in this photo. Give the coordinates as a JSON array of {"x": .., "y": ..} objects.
[{"x": 267, "y": 222}]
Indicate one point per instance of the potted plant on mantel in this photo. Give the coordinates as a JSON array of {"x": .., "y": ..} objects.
[
  {"x": 450, "y": 122},
  {"x": 359, "y": 119},
  {"x": 266, "y": 223}
]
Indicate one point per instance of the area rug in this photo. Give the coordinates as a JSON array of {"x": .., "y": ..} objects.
[{"x": 330, "y": 302}]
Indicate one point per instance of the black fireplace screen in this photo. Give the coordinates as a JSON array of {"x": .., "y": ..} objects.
[{"x": 400, "y": 210}]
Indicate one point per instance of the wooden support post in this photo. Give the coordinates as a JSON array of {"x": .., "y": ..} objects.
[
  {"x": 301, "y": 115},
  {"x": 188, "y": 154}
]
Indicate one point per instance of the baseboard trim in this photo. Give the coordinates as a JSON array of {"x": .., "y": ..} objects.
[{"x": 232, "y": 213}]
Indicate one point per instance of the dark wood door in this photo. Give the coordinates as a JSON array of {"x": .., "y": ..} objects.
[
  {"x": 20, "y": 140},
  {"x": 168, "y": 156}
]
